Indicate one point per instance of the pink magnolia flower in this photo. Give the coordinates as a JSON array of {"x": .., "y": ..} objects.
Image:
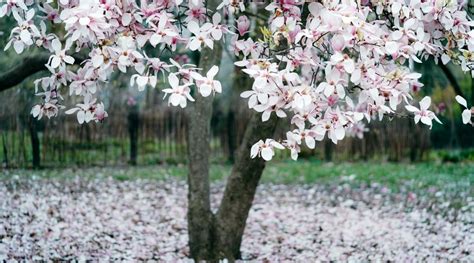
[
  {"x": 87, "y": 111},
  {"x": 85, "y": 22},
  {"x": 179, "y": 94},
  {"x": 426, "y": 116},
  {"x": 142, "y": 81},
  {"x": 163, "y": 32},
  {"x": 265, "y": 149},
  {"x": 23, "y": 34},
  {"x": 333, "y": 83},
  {"x": 10, "y": 5},
  {"x": 344, "y": 64},
  {"x": 243, "y": 25},
  {"x": 60, "y": 57},
  {"x": 467, "y": 113},
  {"x": 48, "y": 109},
  {"x": 208, "y": 85},
  {"x": 201, "y": 36}
]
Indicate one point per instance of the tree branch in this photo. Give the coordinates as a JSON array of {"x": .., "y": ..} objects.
[
  {"x": 27, "y": 67},
  {"x": 241, "y": 187},
  {"x": 452, "y": 79}
]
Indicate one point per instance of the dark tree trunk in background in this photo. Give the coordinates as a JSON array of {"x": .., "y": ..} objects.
[
  {"x": 35, "y": 143},
  {"x": 415, "y": 145},
  {"x": 5, "y": 151},
  {"x": 133, "y": 123},
  {"x": 328, "y": 149}
]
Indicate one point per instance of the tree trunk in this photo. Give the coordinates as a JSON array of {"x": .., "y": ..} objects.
[
  {"x": 231, "y": 135},
  {"x": 35, "y": 143},
  {"x": 133, "y": 122},
  {"x": 200, "y": 218},
  {"x": 218, "y": 236},
  {"x": 240, "y": 189}
]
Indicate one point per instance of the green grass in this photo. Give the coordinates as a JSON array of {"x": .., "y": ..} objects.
[{"x": 392, "y": 175}]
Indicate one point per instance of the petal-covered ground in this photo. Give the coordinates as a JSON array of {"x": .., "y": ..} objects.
[{"x": 108, "y": 219}]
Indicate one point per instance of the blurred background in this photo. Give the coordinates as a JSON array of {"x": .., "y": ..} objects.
[{"x": 142, "y": 129}]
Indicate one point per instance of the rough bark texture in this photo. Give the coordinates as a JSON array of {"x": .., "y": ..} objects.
[
  {"x": 240, "y": 189},
  {"x": 231, "y": 134},
  {"x": 27, "y": 67},
  {"x": 200, "y": 217}
]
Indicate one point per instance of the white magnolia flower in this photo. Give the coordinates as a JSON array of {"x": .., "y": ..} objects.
[
  {"x": 265, "y": 149},
  {"x": 85, "y": 111},
  {"x": 179, "y": 94},
  {"x": 142, "y": 81},
  {"x": 60, "y": 56},
  {"x": 201, "y": 36},
  {"x": 426, "y": 116},
  {"x": 207, "y": 84},
  {"x": 467, "y": 113}
]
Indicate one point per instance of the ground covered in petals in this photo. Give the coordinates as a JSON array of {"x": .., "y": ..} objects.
[{"x": 105, "y": 218}]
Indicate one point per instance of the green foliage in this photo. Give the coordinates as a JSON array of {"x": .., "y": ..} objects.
[{"x": 454, "y": 156}]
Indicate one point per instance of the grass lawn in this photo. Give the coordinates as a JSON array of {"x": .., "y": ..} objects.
[{"x": 392, "y": 175}]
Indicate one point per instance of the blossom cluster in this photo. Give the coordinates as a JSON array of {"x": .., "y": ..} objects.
[{"x": 330, "y": 68}]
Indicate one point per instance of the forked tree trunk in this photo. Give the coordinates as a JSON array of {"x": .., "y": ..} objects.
[
  {"x": 213, "y": 237},
  {"x": 217, "y": 236}
]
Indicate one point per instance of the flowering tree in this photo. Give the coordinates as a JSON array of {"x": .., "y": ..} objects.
[{"x": 329, "y": 66}]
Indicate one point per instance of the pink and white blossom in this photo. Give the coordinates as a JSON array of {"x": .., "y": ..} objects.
[
  {"x": 265, "y": 149},
  {"x": 423, "y": 113},
  {"x": 331, "y": 72}
]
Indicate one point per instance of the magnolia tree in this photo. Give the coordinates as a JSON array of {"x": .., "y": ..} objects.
[{"x": 329, "y": 66}]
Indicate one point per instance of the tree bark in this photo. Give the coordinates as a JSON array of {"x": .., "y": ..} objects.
[
  {"x": 27, "y": 67},
  {"x": 231, "y": 135},
  {"x": 200, "y": 218},
  {"x": 240, "y": 189}
]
